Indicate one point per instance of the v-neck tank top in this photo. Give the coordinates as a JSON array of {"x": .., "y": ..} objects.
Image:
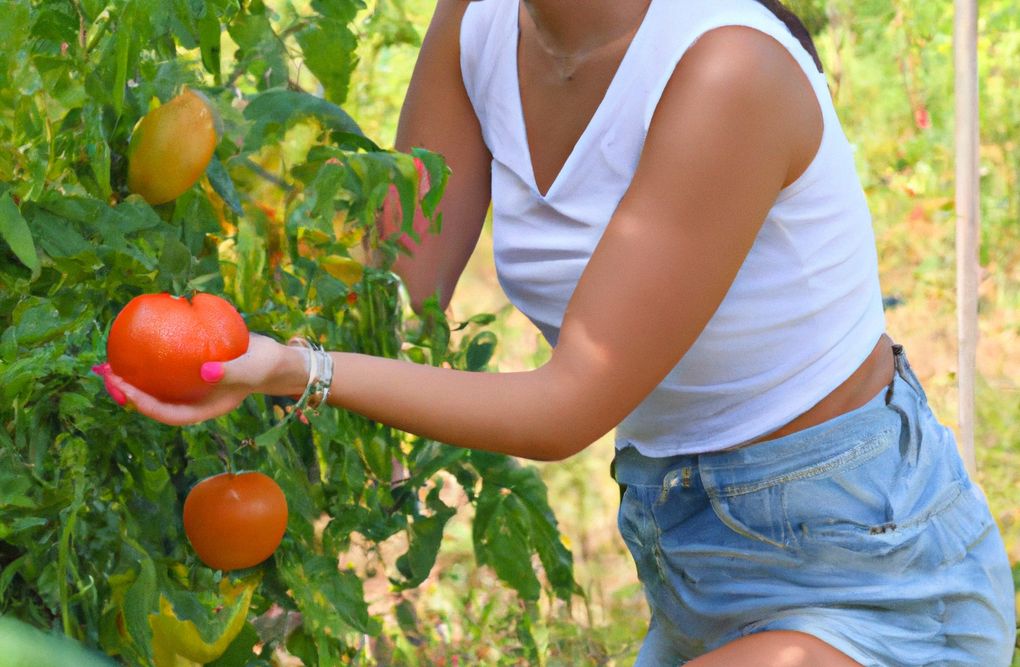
[{"x": 805, "y": 308}]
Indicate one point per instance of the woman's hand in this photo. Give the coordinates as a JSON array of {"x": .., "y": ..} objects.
[{"x": 268, "y": 367}]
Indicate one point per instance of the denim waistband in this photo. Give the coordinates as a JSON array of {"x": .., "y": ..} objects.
[{"x": 855, "y": 434}]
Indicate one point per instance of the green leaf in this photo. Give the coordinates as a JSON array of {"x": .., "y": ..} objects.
[
  {"x": 38, "y": 320},
  {"x": 140, "y": 599},
  {"x": 331, "y": 600},
  {"x": 501, "y": 531},
  {"x": 480, "y": 351},
  {"x": 511, "y": 487},
  {"x": 174, "y": 264},
  {"x": 15, "y": 232},
  {"x": 482, "y": 319},
  {"x": 429, "y": 457},
  {"x": 273, "y": 112},
  {"x": 328, "y": 47},
  {"x": 271, "y": 437},
  {"x": 124, "y": 38},
  {"x": 97, "y": 149},
  {"x": 57, "y": 236},
  {"x": 240, "y": 653},
  {"x": 25, "y": 645},
  {"x": 439, "y": 174},
  {"x": 261, "y": 52},
  {"x": 250, "y": 289},
  {"x": 425, "y": 535},
  {"x": 209, "y": 34},
  {"x": 224, "y": 186}
]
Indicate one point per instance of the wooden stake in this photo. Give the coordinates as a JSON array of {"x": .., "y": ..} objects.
[{"x": 968, "y": 217}]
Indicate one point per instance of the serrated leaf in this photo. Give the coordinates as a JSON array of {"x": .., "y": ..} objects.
[
  {"x": 273, "y": 112},
  {"x": 200, "y": 626},
  {"x": 522, "y": 486},
  {"x": 261, "y": 53},
  {"x": 15, "y": 232},
  {"x": 37, "y": 320},
  {"x": 331, "y": 600},
  {"x": 97, "y": 149},
  {"x": 328, "y": 47},
  {"x": 501, "y": 533},
  {"x": 140, "y": 599},
  {"x": 174, "y": 263},
  {"x": 57, "y": 236},
  {"x": 425, "y": 535}
]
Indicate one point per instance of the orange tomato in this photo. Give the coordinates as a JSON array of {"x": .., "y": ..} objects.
[
  {"x": 159, "y": 342},
  {"x": 235, "y": 521},
  {"x": 171, "y": 147}
]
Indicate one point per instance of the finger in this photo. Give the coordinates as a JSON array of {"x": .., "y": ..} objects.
[
  {"x": 212, "y": 371},
  {"x": 104, "y": 371},
  {"x": 178, "y": 414},
  {"x": 248, "y": 370}
]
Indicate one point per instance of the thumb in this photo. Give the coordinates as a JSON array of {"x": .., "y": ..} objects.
[
  {"x": 212, "y": 371},
  {"x": 247, "y": 369}
]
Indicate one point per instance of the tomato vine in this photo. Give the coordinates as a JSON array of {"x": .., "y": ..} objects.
[{"x": 91, "y": 536}]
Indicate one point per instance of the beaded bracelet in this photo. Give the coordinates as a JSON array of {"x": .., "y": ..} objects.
[{"x": 320, "y": 373}]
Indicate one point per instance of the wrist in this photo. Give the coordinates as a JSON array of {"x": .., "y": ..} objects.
[
  {"x": 290, "y": 374},
  {"x": 320, "y": 373}
]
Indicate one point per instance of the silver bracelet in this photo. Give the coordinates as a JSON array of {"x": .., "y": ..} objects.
[{"x": 320, "y": 373}]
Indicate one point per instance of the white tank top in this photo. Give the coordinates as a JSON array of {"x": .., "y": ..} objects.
[{"x": 805, "y": 308}]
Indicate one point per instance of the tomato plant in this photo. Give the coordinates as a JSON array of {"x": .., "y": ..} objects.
[
  {"x": 158, "y": 342},
  {"x": 235, "y": 521},
  {"x": 92, "y": 534}
]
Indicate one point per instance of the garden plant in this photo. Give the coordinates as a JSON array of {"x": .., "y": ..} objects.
[{"x": 190, "y": 150}]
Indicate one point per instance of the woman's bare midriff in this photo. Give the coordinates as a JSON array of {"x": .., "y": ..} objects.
[{"x": 870, "y": 378}]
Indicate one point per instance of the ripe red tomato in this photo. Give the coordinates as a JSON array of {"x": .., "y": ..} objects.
[
  {"x": 159, "y": 342},
  {"x": 234, "y": 521}
]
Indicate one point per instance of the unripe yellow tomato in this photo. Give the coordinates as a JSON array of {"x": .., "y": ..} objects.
[{"x": 171, "y": 147}]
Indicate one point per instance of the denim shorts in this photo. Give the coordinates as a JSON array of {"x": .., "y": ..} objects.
[{"x": 863, "y": 531}]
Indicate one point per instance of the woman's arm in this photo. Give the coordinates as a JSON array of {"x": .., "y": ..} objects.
[
  {"x": 438, "y": 115},
  {"x": 727, "y": 130}
]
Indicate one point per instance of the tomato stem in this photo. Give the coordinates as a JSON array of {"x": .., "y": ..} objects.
[{"x": 228, "y": 449}]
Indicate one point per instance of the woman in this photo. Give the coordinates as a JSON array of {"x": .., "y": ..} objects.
[{"x": 676, "y": 208}]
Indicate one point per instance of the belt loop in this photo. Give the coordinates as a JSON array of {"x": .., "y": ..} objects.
[
  {"x": 904, "y": 370},
  {"x": 898, "y": 356}
]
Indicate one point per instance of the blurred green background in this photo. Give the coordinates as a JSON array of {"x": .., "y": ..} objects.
[{"x": 890, "y": 70}]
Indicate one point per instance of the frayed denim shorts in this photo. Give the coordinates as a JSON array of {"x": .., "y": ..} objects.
[{"x": 863, "y": 531}]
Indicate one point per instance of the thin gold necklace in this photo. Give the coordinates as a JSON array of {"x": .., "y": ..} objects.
[{"x": 568, "y": 64}]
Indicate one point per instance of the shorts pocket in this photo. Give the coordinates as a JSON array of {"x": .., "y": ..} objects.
[
  {"x": 822, "y": 492},
  {"x": 909, "y": 509}
]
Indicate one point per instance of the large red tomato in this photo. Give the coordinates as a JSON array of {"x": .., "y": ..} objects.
[
  {"x": 159, "y": 342},
  {"x": 234, "y": 521}
]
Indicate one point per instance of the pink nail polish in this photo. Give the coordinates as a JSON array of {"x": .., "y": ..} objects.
[{"x": 212, "y": 371}]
